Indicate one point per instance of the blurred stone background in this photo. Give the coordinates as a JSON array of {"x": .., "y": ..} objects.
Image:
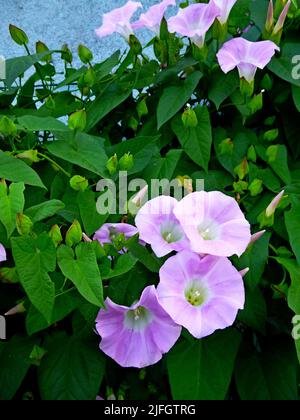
[{"x": 56, "y": 22}]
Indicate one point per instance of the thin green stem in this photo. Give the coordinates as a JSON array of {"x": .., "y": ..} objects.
[
  {"x": 55, "y": 164},
  {"x": 273, "y": 249},
  {"x": 65, "y": 292},
  {"x": 37, "y": 69}
]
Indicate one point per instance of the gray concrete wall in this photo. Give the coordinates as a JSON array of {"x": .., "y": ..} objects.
[{"x": 56, "y": 22}]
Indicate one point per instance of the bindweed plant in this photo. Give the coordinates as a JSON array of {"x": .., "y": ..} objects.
[{"x": 150, "y": 205}]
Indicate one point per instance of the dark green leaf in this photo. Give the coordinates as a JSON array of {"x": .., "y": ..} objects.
[
  {"x": 32, "y": 123},
  {"x": 91, "y": 219},
  {"x": 197, "y": 141},
  {"x": 65, "y": 303},
  {"x": 73, "y": 369},
  {"x": 202, "y": 369},
  {"x": 124, "y": 264},
  {"x": 293, "y": 226},
  {"x": 35, "y": 258},
  {"x": 222, "y": 86},
  {"x": 83, "y": 271},
  {"x": 175, "y": 97},
  {"x": 14, "y": 364},
  {"x": 15, "y": 67},
  {"x": 83, "y": 150},
  {"x": 16, "y": 170},
  {"x": 271, "y": 375},
  {"x": 44, "y": 210},
  {"x": 11, "y": 203},
  {"x": 112, "y": 97}
]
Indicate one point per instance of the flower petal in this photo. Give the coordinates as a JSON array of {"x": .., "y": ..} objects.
[
  {"x": 214, "y": 224},
  {"x": 2, "y": 253},
  {"x": 153, "y": 17},
  {"x": 136, "y": 345},
  {"x": 222, "y": 286},
  {"x": 118, "y": 20},
  {"x": 246, "y": 55},
  {"x": 156, "y": 223}
]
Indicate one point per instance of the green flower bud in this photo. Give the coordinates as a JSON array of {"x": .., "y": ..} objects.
[
  {"x": 160, "y": 50},
  {"x": 271, "y": 135},
  {"x": 135, "y": 45},
  {"x": 226, "y": 147},
  {"x": 255, "y": 104},
  {"x": 242, "y": 170},
  {"x": 164, "y": 31},
  {"x": 55, "y": 235},
  {"x": 74, "y": 234},
  {"x": 79, "y": 183},
  {"x": 18, "y": 35},
  {"x": 7, "y": 127},
  {"x": 240, "y": 187},
  {"x": 41, "y": 48},
  {"x": 200, "y": 53},
  {"x": 82, "y": 86},
  {"x": 133, "y": 123},
  {"x": 185, "y": 182},
  {"x": 265, "y": 221},
  {"x": 251, "y": 154},
  {"x": 85, "y": 55},
  {"x": 37, "y": 355},
  {"x": 90, "y": 77},
  {"x": 270, "y": 121},
  {"x": 256, "y": 187},
  {"x": 267, "y": 82},
  {"x": 29, "y": 155},
  {"x": 189, "y": 118},
  {"x": 8, "y": 275},
  {"x": 220, "y": 31},
  {"x": 142, "y": 108},
  {"x": 50, "y": 102},
  {"x": 77, "y": 121},
  {"x": 24, "y": 224},
  {"x": 247, "y": 89},
  {"x": 112, "y": 165},
  {"x": 126, "y": 162},
  {"x": 66, "y": 54}
]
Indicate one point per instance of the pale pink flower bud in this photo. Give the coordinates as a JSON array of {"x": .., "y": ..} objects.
[
  {"x": 274, "y": 204},
  {"x": 244, "y": 272},
  {"x": 270, "y": 17},
  {"x": 18, "y": 309},
  {"x": 86, "y": 238},
  {"x": 282, "y": 18},
  {"x": 257, "y": 236}
]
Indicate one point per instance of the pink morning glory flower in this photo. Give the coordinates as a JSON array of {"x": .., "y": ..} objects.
[
  {"x": 214, "y": 224},
  {"x": 110, "y": 231},
  {"x": 118, "y": 20},
  {"x": 158, "y": 226},
  {"x": 139, "y": 335},
  {"x": 194, "y": 21},
  {"x": 225, "y": 7},
  {"x": 201, "y": 294},
  {"x": 2, "y": 253},
  {"x": 247, "y": 56},
  {"x": 153, "y": 17}
]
